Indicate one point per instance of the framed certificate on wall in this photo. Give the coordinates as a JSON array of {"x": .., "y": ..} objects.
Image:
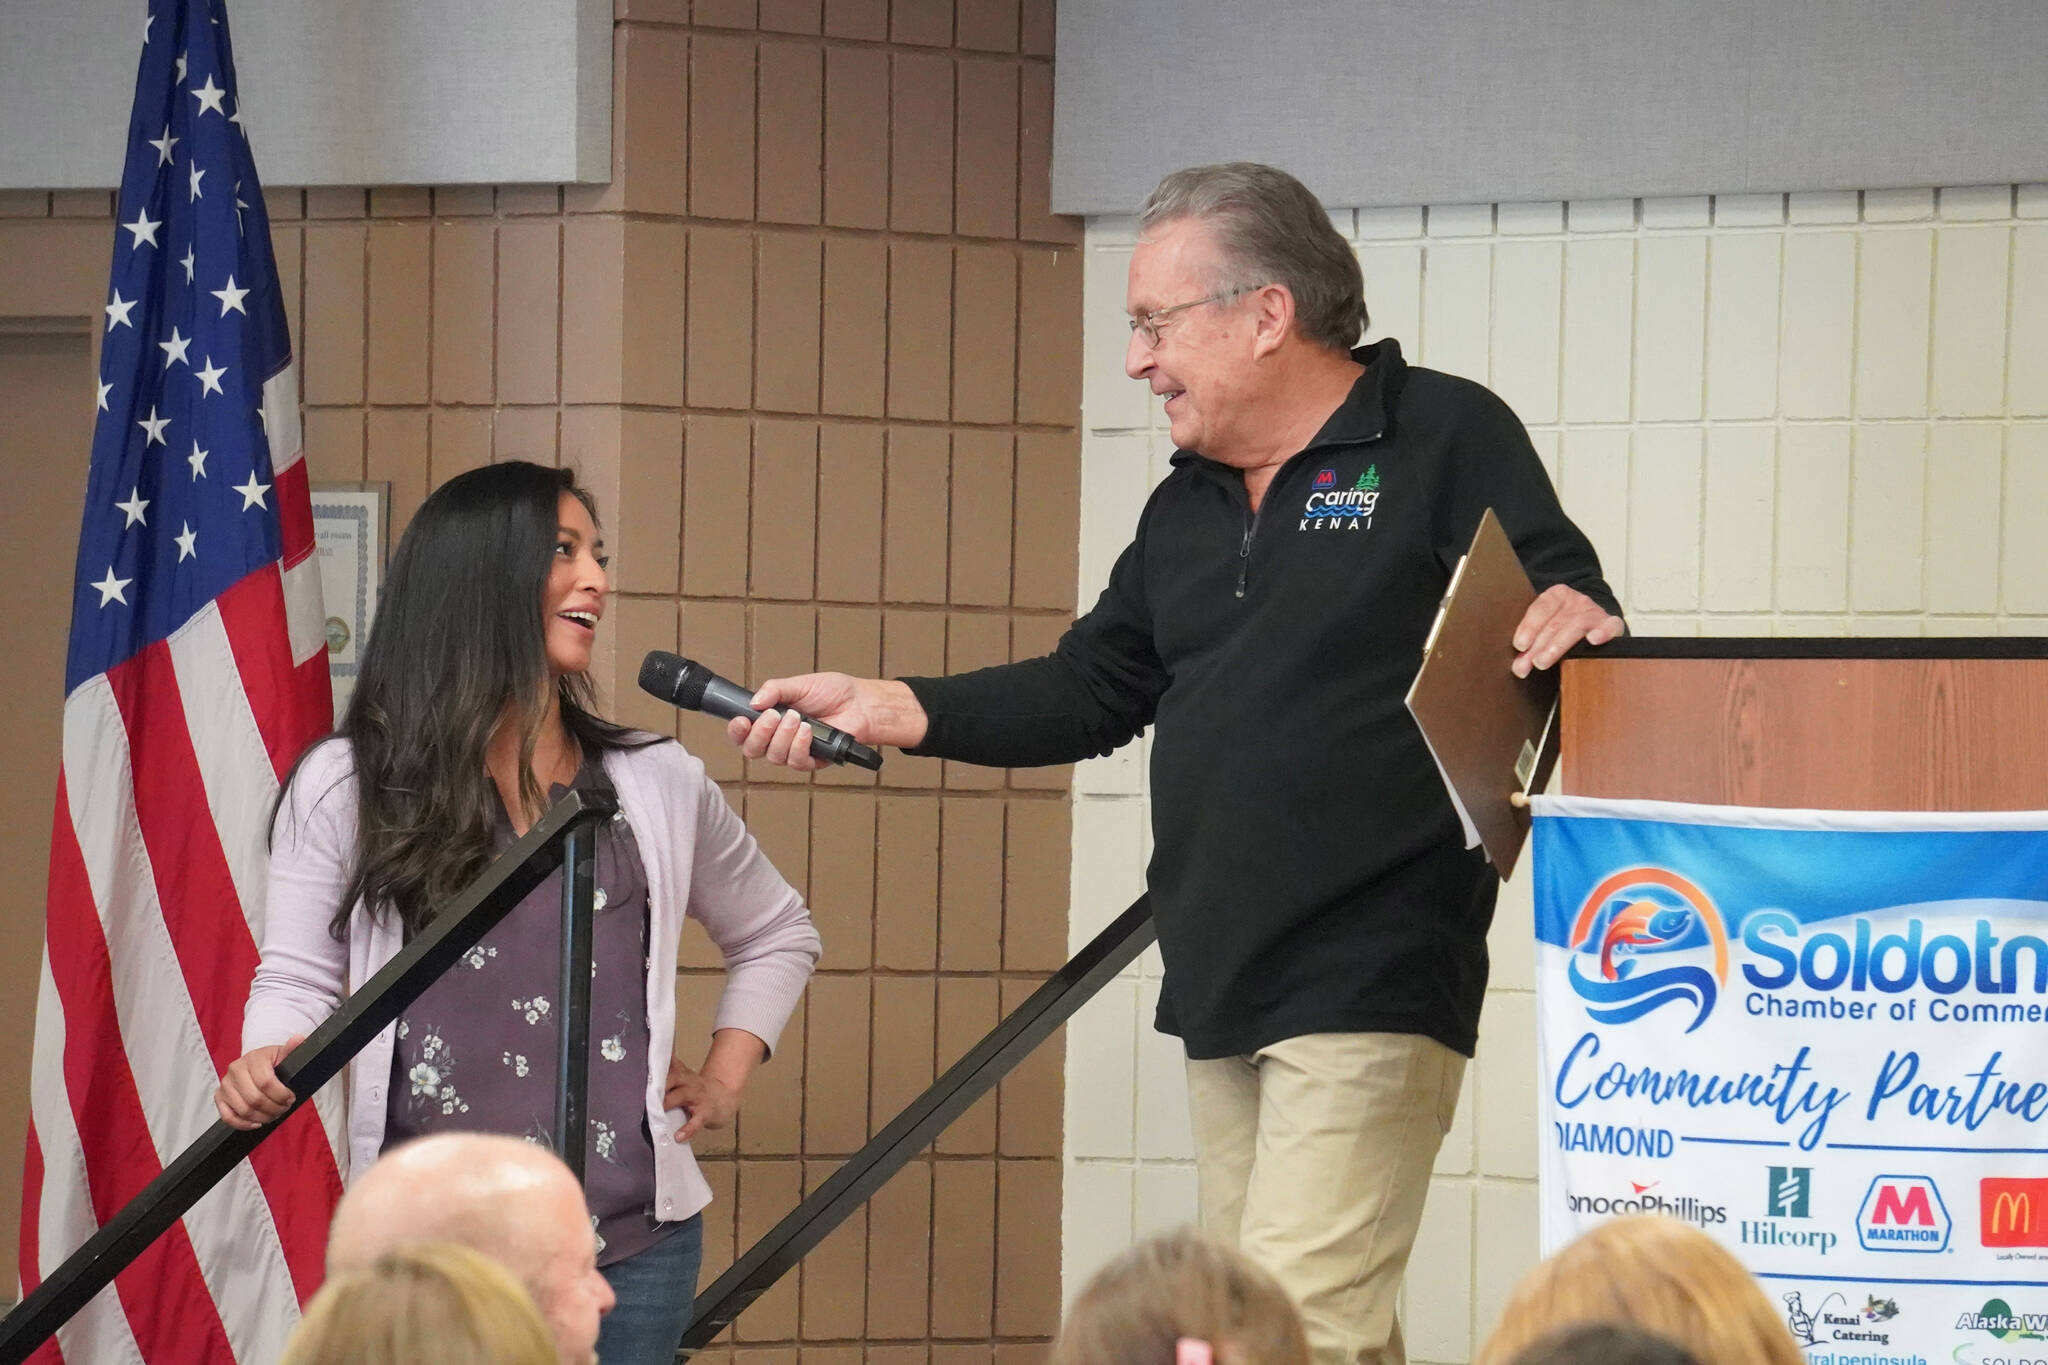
[{"x": 351, "y": 541}]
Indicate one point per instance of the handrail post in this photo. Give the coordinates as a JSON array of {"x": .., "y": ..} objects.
[{"x": 572, "y": 1056}]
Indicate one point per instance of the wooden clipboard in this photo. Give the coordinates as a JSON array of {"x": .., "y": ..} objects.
[{"x": 1493, "y": 734}]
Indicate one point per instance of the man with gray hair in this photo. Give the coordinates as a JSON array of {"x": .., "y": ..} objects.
[
  {"x": 514, "y": 1201},
  {"x": 1322, "y": 921}
]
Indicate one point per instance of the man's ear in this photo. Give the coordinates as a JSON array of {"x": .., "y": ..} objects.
[{"x": 1272, "y": 318}]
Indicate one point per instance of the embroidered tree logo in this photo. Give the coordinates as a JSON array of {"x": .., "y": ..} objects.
[{"x": 1367, "y": 481}]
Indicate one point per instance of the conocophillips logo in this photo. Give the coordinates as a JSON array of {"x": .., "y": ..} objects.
[
  {"x": 1644, "y": 1199},
  {"x": 1629, "y": 918}
]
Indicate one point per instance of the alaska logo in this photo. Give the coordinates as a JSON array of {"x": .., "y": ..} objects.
[
  {"x": 1629, "y": 919},
  {"x": 1999, "y": 1319}
]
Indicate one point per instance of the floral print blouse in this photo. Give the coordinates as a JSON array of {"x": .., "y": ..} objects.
[{"x": 476, "y": 1052}]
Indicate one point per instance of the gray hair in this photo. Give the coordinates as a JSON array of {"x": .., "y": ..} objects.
[{"x": 1271, "y": 231}]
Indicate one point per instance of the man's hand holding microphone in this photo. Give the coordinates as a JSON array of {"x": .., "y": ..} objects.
[
  {"x": 803, "y": 723},
  {"x": 872, "y": 710}
]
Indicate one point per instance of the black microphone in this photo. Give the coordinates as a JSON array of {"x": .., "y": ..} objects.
[{"x": 690, "y": 685}]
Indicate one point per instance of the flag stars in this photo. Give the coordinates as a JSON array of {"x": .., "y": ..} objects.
[
  {"x": 236, "y": 119},
  {"x": 239, "y": 206},
  {"x": 105, "y": 389},
  {"x": 143, "y": 228},
  {"x": 182, "y": 65},
  {"x": 209, "y": 97},
  {"x": 134, "y": 508},
  {"x": 175, "y": 348},
  {"x": 118, "y": 310},
  {"x": 113, "y": 589},
  {"x": 209, "y": 378},
  {"x": 252, "y": 493},
  {"x": 189, "y": 261},
  {"x": 197, "y": 176},
  {"x": 197, "y": 459},
  {"x": 153, "y": 428},
  {"x": 163, "y": 146},
  {"x": 187, "y": 543},
  {"x": 231, "y": 298}
]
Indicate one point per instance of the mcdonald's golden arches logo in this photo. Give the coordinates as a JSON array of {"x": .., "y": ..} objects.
[{"x": 2013, "y": 1211}]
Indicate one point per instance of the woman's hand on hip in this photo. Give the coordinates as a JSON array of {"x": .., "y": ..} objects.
[{"x": 706, "y": 1101}]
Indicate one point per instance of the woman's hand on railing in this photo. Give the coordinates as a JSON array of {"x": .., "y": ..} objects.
[{"x": 251, "y": 1095}]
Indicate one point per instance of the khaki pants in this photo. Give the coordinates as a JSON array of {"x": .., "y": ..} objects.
[{"x": 1313, "y": 1157}]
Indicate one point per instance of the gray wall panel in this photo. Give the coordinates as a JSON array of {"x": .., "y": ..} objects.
[
  {"x": 1374, "y": 102},
  {"x": 334, "y": 92},
  {"x": 1871, "y": 94}
]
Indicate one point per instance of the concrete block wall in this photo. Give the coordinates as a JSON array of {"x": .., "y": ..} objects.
[
  {"x": 816, "y": 350},
  {"x": 1803, "y": 414}
]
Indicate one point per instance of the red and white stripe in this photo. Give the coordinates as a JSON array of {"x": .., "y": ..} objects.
[{"x": 172, "y": 764}]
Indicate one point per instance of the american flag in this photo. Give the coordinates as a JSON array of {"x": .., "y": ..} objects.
[{"x": 197, "y": 673}]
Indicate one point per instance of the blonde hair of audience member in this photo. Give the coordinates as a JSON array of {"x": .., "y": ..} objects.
[
  {"x": 1656, "y": 1273},
  {"x": 1181, "y": 1299},
  {"x": 437, "y": 1301}
]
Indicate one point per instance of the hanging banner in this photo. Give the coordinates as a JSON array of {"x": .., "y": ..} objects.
[{"x": 1821, "y": 1037}]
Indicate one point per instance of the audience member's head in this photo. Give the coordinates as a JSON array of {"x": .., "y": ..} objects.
[
  {"x": 437, "y": 1301},
  {"x": 1181, "y": 1288},
  {"x": 1603, "y": 1343},
  {"x": 502, "y": 1196},
  {"x": 1656, "y": 1273}
]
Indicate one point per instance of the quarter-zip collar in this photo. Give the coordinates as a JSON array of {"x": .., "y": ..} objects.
[{"x": 1363, "y": 416}]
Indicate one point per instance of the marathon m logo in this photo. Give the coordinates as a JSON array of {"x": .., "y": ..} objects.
[
  {"x": 1903, "y": 1213},
  {"x": 2013, "y": 1212},
  {"x": 1791, "y": 1192}
]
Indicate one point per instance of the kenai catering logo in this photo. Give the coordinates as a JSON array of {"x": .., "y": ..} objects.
[{"x": 1633, "y": 945}]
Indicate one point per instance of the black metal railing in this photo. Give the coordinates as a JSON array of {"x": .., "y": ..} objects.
[
  {"x": 563, "y": 836},
  {"x": 947, "y": 1098}
]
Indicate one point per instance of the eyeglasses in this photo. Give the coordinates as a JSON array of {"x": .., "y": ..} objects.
[{"x": 1147, "y": 324}]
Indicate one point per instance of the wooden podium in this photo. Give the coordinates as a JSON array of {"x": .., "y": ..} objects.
[{"x": 1828, "y": 724}]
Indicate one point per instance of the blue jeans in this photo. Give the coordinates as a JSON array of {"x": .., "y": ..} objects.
[{"x": 655, "y": 1289}]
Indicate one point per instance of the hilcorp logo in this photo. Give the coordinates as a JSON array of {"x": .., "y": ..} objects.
[
  {"x": 1629, "y": 923},
  {"x": 1788, "y": 1194}
]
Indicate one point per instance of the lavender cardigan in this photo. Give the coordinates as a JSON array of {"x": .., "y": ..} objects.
[{"x": 701, "y": 863}]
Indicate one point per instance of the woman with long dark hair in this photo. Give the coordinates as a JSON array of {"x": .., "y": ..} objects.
[{"x": 473, "y": 711}]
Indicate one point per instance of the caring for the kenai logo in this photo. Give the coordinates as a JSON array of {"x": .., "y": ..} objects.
[
  {"x": 1634, "y": 928},
  {"x": 1332, "y": 507}
]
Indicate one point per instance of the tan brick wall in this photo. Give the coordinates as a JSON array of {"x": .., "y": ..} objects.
[{"x": 816, "y": 349}]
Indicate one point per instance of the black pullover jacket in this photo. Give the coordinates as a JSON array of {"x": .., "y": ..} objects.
[{"x": 1308, "y": 874}]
